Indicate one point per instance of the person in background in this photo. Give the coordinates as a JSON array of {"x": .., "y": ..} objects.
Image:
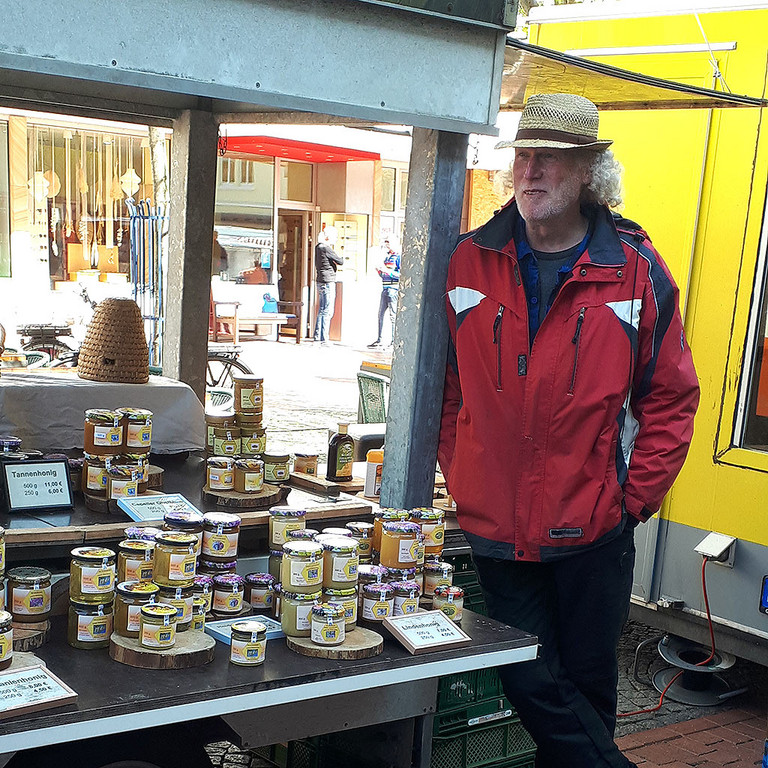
[
  {"x": 568, "y": 410},
  {"x": 219, "y": 258},
  {"x": 389, "y": 273},
  {"x": 327, "y": 261}
]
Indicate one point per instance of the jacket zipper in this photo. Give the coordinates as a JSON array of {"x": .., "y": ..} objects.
[
  {"x": 575, "y": 341},
  {"x": 497, "y": 342}
]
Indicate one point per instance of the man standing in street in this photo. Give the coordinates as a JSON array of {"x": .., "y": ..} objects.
[
  {"x": 327, "y": 261},
  {"x": 568, "y": 410},
  {"x": 389, "y": 273}
]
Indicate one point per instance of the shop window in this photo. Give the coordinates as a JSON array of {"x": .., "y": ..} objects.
[
  {"x": 403, "y": 188},
  {"x": 296, "y": 181},
  {"x": 388, "y": 178},
  {"x": 5, "y": 236},
  {"x": 352, "y": 244}
]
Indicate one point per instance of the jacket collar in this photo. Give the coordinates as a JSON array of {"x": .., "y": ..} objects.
[{"x": 603, "y": 249}]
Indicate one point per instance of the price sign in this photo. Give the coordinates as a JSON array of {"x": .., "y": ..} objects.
[
  {"x": 426, "y": 631},
  {"x": 31, "y": 689},
  {"x": 155, "y": 507},
  {"x": 36, "y": 485}
]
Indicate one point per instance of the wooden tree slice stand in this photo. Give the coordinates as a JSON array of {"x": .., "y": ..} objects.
[
  {"x": 102, "y": 504},
  {"x": 27, "y": 636},
  {"x": 361, "y": 643},
  {"x": 21, "y": 660},
  {"x": 155, "y": 479},
  {"x": 268, "y": 495},
  {"x": 192, "y": 649}
]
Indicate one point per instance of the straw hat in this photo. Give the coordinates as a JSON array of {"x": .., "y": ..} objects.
[
  {"x": 115, "y": 348},
  {"x": 559, "y": 121}
]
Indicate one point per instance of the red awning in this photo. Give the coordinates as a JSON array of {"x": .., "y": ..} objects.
[{"x": 294, "y": 150}]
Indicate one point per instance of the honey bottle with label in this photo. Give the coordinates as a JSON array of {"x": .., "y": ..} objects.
[{"x": 341, "y": 450}]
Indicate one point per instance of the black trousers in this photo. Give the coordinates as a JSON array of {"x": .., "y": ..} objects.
[{"x": 577, "y": 607}]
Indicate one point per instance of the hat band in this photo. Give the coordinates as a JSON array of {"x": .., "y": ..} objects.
[{"x": 550, "y": 135}]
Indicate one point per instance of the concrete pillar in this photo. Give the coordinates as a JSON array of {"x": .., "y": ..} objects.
[
  {"x": 193, "y": 193},
  {"x": 433, "y": 213}
]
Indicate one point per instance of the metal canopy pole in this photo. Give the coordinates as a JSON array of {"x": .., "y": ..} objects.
[
  {"x": 193, "y": 193},
  {"x": 433, "y": 215}
]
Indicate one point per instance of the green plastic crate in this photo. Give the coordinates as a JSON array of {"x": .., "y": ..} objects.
[
  {"x": 506, "y": 744},
  {"x": 466, "y": 688},
  {"x": 474, "y": 715}
]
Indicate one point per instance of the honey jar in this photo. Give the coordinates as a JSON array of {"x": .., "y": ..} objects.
[
  {"x": 6, "y": 640},
  {"x": 220, "y": 473},
  {"x": 228, "y": 590},
  {"x": 212, "y": 421},
  {"x": 186, "y": 521},
  {"x": 249, "y": 393},
  {"x": 348, "y": 599},
  {"x": 306, "y": 463},
  {"x": 209, "y": 568},
  {"x": 203, "y": 589},
  {"x": 432, "y": 522},
  {"x": 158, "y": 626},
  {"x": 363, "y": 532},
  {"x": 248, "y": 644},
  {"x": 378, "y": 602},
  {"x": 449, "y": 600},
  {"x": 369, "y": 574},
  {"x": 137, "y": 429},
  {"x": 283, "y": 520},
  {"x": 135, "y": 560},
  {"x": 90, "y": 625},
  {"x": 406, "y": 597},
  {"x": 385, "y": 515},
  {"x": 181, "y": 598},
  {"x": 92, "y": 575},
  {"x": 131, "y": 596},
  {"x": 275, "y": 562},
  {"x": 253, "y": 440},
  {"x": 102, "y": 432},
  {"x": 143, "y": 533},
  {"x": 249, "y": 475},
  {"x": 260, "y": 591},
  {"x": 400, "y": 545},
  {"x": 175, "y": 560},
  {"x": 340, "y": 562},
  {"x": 301, "y": 569},
  {"x": 122, "y": 481},
  {"x": 29, "y": 594},
  {"x": 437, "y": 574},
  {"x": 9, "y": 444},
  {"x": 139, "y": 462},
  {"x": 221, "y": 532},
  {"x": 226, "y": 441},
  {"x": 199, "y": 610},
  {"x": 296, "y": 611},
  {"x": 328, "y": 624},
  {"x": 93, "y": 479},
  {"x": 276, "y": 469},
  {"x": 303, "y": 534}
]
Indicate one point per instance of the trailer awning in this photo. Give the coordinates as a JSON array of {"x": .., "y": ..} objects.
[{"x": 532, "y": 69}]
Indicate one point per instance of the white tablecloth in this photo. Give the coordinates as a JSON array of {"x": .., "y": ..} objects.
[{"x": 46, "y": 409}]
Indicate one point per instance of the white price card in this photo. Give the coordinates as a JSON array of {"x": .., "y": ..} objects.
[
  {"x": 37, "y": 485},
  {"x": 30, "y": 689},
  {"x": 155, "y": 507},
  {"x": 426, "y": 631}
]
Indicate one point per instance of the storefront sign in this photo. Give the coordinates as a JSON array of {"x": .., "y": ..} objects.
[
  {"x": 155, "y": 507},
  {"x": 426, "y": 631},
  {"x": 36, "y": 485},
  {"x": 31, "y": 689}
]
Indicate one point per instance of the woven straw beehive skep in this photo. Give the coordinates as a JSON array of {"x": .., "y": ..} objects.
[{"x": 115, "y": 348}]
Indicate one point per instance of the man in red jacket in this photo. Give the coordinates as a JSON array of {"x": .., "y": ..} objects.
[{"x": 568, "y": 410}]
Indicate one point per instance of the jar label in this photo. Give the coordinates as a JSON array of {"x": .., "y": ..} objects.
[
  {"x": 107, "y": 435},
  {"x": 251, "y": 397},
  {"x": 420, "y": 552},
  {"x": 344, "y": 459},
  {"x": 364, "y": 547},
  {"x": 134, "y": 618},
  {"x": 96, "y": 581},
  {"x": 405, "y": 605},
  {"x": 407, "y": 550},
  {"x": 221, "y": 479},
  {"x": 276, "y": 472},
  {"x": 220, "y": 544},
  {"x": 304, "y": 574},
  {"x": 138, "y": 570},
  {"x": 2, "y": 555},
  {"x": 139, "y": 435},
  {"x": 261, "y": 598},
  {"x": 247, "y": 652},
  {"x": 119, "y": 489},
  {"x": 350, "y": 610},
  {"x": 198, "y": 622},
  {"x": 376, "y": 610},
  {"x": 438, "y": 580},
  {"x": 254, "y": 444},
  {"x": 31, "y": 602},
  {"x": 224, "y": 447},
  {"x": 281, "y": 529},
  {"x": 344, "y": 567},
  {"x": 158, "y": 637},
  {"x": 94, "y": 629},
  {"x": 96, "y": 478},
  {"x": 227, "y": 602},
  {"x": 303, "y": 616},
  {"x": 183, "y": 608},
  {"x": 253, "y": 481},
  {"x": 182, "y": 567},
  {"x": 327, "y": 634},
  {"x": 208, "y": 597},
  {"x": 433, "y": 534},
  {"x": 6, "y": 645},
  {"x": 451, "y": 609}
]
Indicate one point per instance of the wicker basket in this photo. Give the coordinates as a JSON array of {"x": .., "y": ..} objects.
[{"x": 115, "y": 348}]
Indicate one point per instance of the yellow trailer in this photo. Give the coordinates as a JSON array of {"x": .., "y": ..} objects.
[{"x": 696, "y": 181}]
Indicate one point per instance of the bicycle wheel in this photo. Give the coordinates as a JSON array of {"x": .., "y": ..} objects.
[{"x": 220, "y": 368}]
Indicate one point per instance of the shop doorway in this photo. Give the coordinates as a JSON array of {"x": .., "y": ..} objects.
[{"x": 294, "y": 261}]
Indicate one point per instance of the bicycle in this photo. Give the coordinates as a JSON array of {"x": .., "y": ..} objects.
[{"x": 221, "y": 365}]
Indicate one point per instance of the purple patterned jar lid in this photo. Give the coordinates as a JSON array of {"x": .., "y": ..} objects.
[
  {"x": 230, "y": 580},
  {"x": 260, "y": 579}
]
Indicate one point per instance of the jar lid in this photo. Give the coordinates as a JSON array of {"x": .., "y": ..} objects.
[
  {"x": 29, "y": 574},
  {"x": 94, "y": 609},
  {"x": 158, "y": 611},
  {"x": 136, "y": 545},
  {"x": 13, "y": 456},
  {"x": 257, "y": 465},
  {"x": 303, "y": 596},
  {"x": 276, "y": 552},
  {"x": 305, "y": 455},
  {"x": 400, "y": 574},
  {"x": 286, "y": 511},
  {"x": 209, "y": 565},
  {"x": 92, "y": 553},
  {"x": 371, "y": 572},
  {"x": 120, "y": 470},
  {"x": 229, "y": 580},
  {"x": 249, "y": 429},
  {"x": 276, "y": 458},
  {"x": 360, "y": 528},
  {"x": 378, "y": 589},
  {"x": 5, "y": 617},
  {"x": 135, "y": 414},
  {"x": 392, "y": 514},
  {"x": 428, "y": 514},
  {"x": 247, "y": 378},
  {"x": 9, "y": 442},
  {"x": 339, "y": 592},
  {"x": 328, "y": 611},
  {"x": 206, "y": 582},
  {"x": 410, "y": 588},
  {"x": 94, "y": 457},
  {"x": 177, "y": 592},
  {"x": 183, "y": 517},
  {"x": 438, "y": 567},
  {"x": 229, "y": 431},
  {"x": 302, "y": 534},
  {"x": 220, "y": 418},
  {"x": 336, "y": 532},
  {"x": 219, "y": 462},
  {"x": 142, "y": 588},
  {"x": 249, "y": 418},
  {"x": 260, "y": 579},
  {"x": 144, "y": 534},
  {"x": 308, "y": 549},
  {"x": 340, "y": 544},
  {"x": 402, "y": 527},
  {"x": 222, "y": 519},
  {"x": 249, "y": 627},
  {"x": 102, "y": 415},
  {"x": 452, "y": 593},
  {"x": 176, "y": 539},
  {"x": 126, "y": 458}
]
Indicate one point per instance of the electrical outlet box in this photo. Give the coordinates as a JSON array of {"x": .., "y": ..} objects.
[{"x": 717, "y": 547}]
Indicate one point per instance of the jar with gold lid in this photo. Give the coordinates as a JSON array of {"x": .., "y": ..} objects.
[
  {"x": 158, "y": 626},
  {"x": 203, "y": 588},
  {"x": 102, "y": 432},
  {"x": 296, "y": 612},
  {"x": 363, "y": 532},
  {"x": 381, "y": 516},
  {"x": 90, "y": 625},
  {"x": 378, "y": 602},
  {"x": 213, "y": 421},
  {"x": 400, "y": 545},
  {"x": 248, "y": 644},
  {"x": 175, "y": 561},
  {"x": 181, "y": 598},
  {"x": 131, "y": 596},
  {"x": 93, "y": 479},
  {"x": 221, "y": 532},
  {"x": 449, "y": 600},
  {"x": 260, "y": 591},
  {"x": 249, "y": 475},
  {"x": 283, "y": 520},
  {"x": 249, "y": 393},
  {"x": 340, "y": 562},
  {"x": 276, "y": 467},
  {"x": 220, "y": 473},
  {"x": 302, "y": 566},
  {"x": 348, "y": 599},
  {"x": 122, "y": 481},
  {"x": 253, "y": 440},
  {"x": 226, "y": 441},
  {"x": 406, "y": 599},
  {"x": 437, "y": 574},
  {"x": 199, "y": 610},
  {"x": 135, "y": 560},
  {"x": 92, "y": 574},
  {"x": 137, "y": 429},
  {"x": 29, "y": 593},
  {"x": 328, "y": 624},
  {"x": 6, "y": 640},
  {"x": 186, "y": 521},
  {"x": 228, "y": 591}
]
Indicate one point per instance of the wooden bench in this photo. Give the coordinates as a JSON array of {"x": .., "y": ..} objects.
[{"x": 228, "y": 322}]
